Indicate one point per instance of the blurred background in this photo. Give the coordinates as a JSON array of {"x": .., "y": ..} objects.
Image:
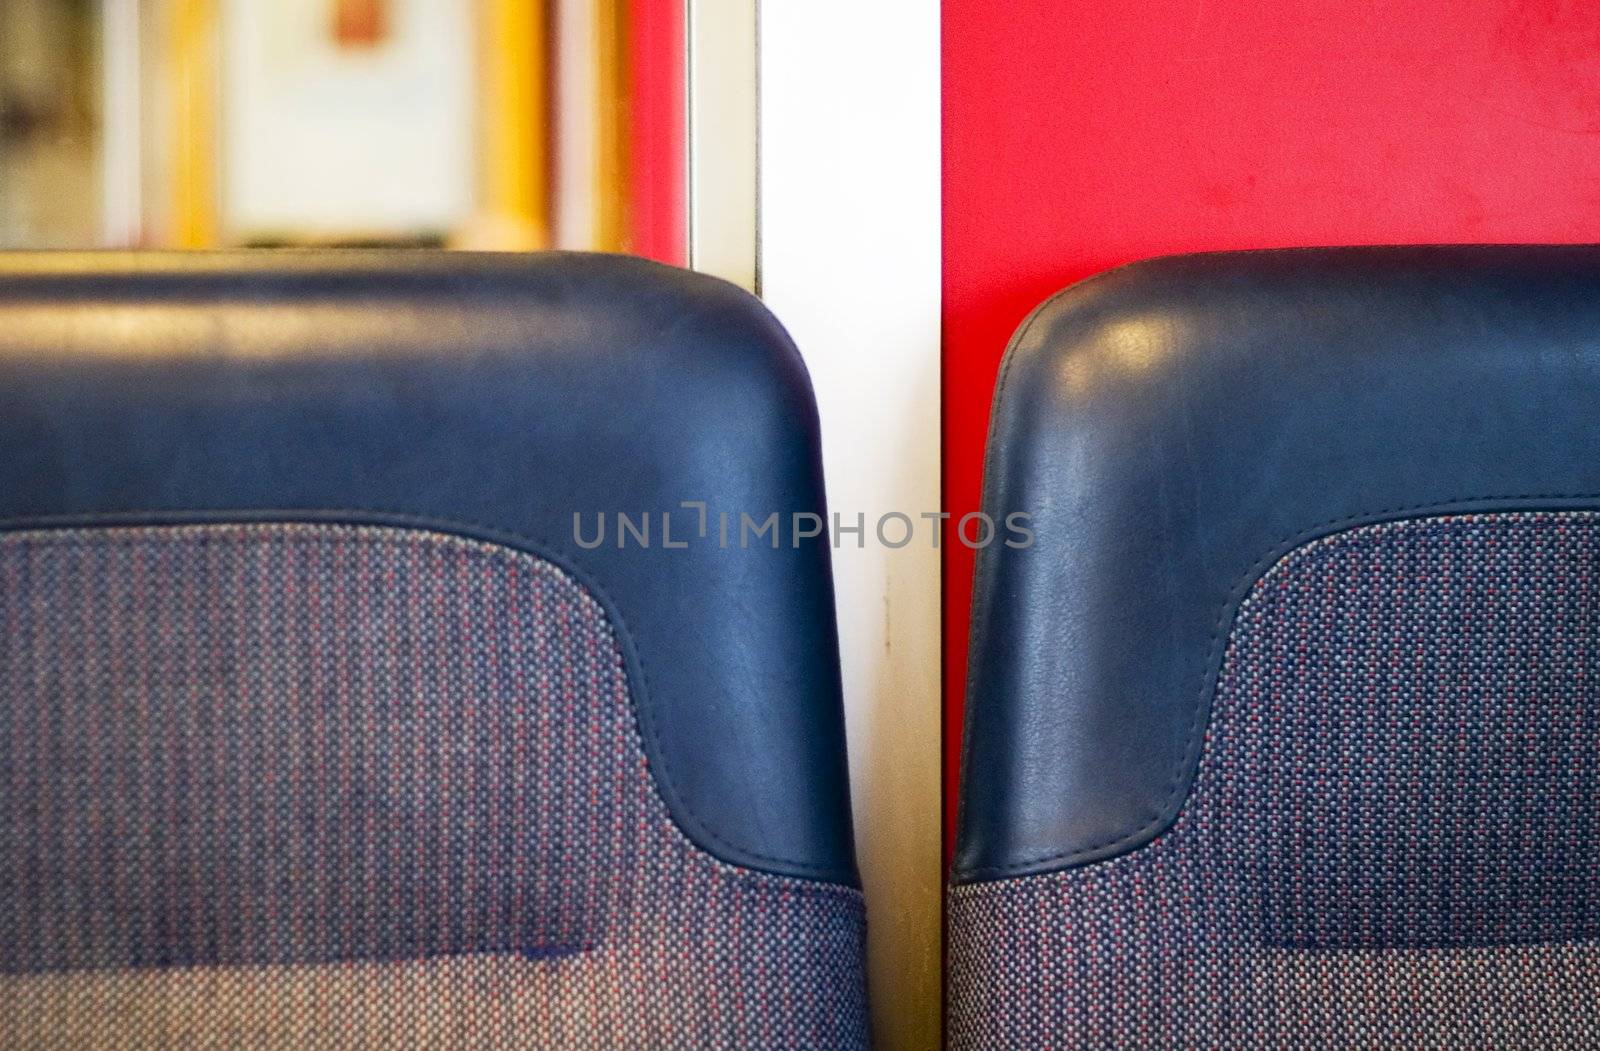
[{"x": 474, "y": 124}]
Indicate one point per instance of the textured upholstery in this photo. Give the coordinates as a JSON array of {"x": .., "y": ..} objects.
[
  {"x": 1391, "y": 838},
  {"x": 310, "y": 785}
]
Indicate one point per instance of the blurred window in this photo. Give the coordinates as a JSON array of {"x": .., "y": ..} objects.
[{"x": 488, "y": 124}]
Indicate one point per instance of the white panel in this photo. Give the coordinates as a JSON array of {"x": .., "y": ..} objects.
[
  {"x": 121, "y": 165},
  {"x": 576, "y": 148},
  {"x": 324, "y": 140},
  {"x": 849, "y": 259},
  {"x": 722, "y": 139}
]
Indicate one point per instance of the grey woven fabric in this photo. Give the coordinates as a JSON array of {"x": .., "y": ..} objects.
[
  {"x": 294, "y": 785},
  {"x": 1391, "y": 839}
]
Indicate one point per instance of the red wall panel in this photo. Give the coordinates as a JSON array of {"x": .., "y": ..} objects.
[
  {"x": 1079, "y": 134},
  {"x": 656, "y": 126}
]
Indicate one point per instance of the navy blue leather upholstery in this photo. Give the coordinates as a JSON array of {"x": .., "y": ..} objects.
[
  {"x": 1176, "y": 426},
  {"x": 490, "y": 396}
]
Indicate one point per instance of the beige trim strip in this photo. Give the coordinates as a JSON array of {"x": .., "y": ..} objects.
[{"x": 723, "y": 140}]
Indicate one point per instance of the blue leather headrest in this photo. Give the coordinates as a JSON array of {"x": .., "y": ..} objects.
[
  {"x": 1177, "y": 425},
  {"x": 493, "y": 396}
]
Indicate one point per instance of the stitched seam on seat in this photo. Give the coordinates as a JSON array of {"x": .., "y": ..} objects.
[
  {"x": 639, "y": 695},
  {"x": 1182, "y": 780}
]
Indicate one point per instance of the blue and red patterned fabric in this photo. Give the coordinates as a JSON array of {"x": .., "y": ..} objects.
[
  {"x": 299, "y": 785},
  {"x": 1391, "y": 840}
]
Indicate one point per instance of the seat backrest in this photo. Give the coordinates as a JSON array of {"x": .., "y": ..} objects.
[
  {"x": 1286, "y": 730},
  {"x": 325, "y": 717}
]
